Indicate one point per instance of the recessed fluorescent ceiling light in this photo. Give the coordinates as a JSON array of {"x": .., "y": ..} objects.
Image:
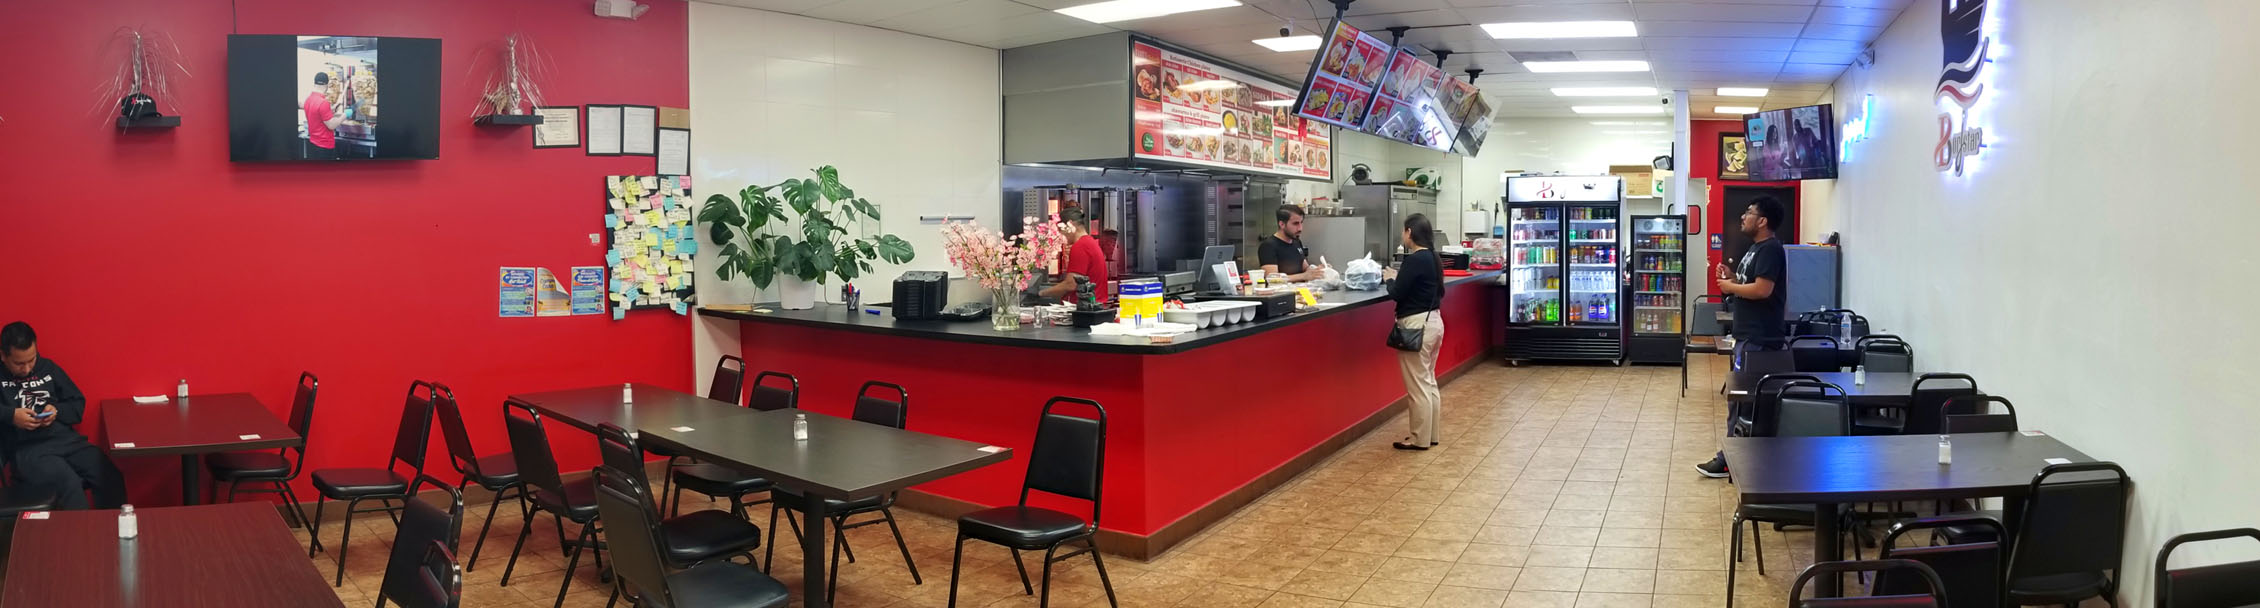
[
  {"x": 1741, "y": 92},
  {"x": 1561, "y": 29},
  {"x": 1273, "y": 103},
  {"x": 1656, "y": 109},
  {"x": 1125, "y": 10},
  {"x": 1585, "y": 66},
  {"x": 1289, "y": 43},
  {"x": 1736, "y": 110},
  {"x": 1604, "y": 91}
]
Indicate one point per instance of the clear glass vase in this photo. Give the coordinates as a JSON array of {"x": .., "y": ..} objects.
[{"x": 1004, "y": 310}]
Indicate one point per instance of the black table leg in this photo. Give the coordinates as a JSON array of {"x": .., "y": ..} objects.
[
  {"x": 188, "y": 485},
  {"x": 812, "y": 536},
  {"x": 1826, "y": 547},
  {"x": 2012, "y": 512}
]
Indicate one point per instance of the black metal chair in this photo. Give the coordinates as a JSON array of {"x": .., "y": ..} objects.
[
  {"x": 274, "y": 469},
  {"x": 1970, "y": 572},
  {"x": 870, "y": 410},
  {"x": 1702, "y": 322},
  {"x": 641, "y": 571},
  {"x": 687, "y": 539},
  {"x": 1923, "y": 414},
  {"x": 2067, "y": 547},
  {"x": 2211, "y": 585},
  {"x": 1756, "y": 415},
  {"x": 575, "y": 502},
  {"x": 497, "y": 473},
  {"x": 1978, "y": 416},
  {"x": 1802, "y": 408},
  {"x": 728, "y": 385},
  {"x": 422, "y": 572},
  {"x": 383, "y": 485},
  {"x": 1934, "y": 598},
  {"x": 1828, "y": 322},
  {"x": 716, "y": 481},
  {"x": 1885, "y": 354},
  {"x": 1816, "y": 354},
  {"x": 1068, "y": 459}
]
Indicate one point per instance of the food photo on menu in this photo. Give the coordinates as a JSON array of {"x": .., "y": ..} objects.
[{"x": 1149, "y": 82}]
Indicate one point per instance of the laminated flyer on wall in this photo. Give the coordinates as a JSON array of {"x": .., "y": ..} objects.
[
  {"x": 517, "y": 291},
  {"x": 588, "y": 290},
  {"x": 550, "y": 299}
]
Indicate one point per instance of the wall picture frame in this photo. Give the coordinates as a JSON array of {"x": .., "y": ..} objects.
[{"x": 1734, "y": 156}]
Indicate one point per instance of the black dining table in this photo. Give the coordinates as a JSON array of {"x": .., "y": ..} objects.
[
  {"x": 841, "y": 459},
  {"x": 230, "y": 554},
  {"x": 1831, "y": 471},
  {"x": 190, "y": 427},
  {"x": 1890, "y": 389}
]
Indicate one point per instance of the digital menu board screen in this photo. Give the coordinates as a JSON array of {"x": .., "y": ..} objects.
[
  {"x": 1341, "y": 83},
  {"x": 1194, "y": 111},
  {"x": 1406, "y": 107}
]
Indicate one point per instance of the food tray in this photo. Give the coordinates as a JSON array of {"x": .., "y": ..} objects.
[{"x": 1210, "y": 314}]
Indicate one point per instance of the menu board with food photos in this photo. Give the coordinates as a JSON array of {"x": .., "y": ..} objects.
[
  {"x": 1475, "y": 123},
  {"x": 1408, "y": 107},
  {"x": 1191, "y": 110},
  {"x": 1342, "y": 82}
]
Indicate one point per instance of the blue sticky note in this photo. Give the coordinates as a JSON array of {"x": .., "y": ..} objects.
[
  {"x": 680, "y": 309},
  {"x": 686, "y": 246},
  {"x": 676, "y": 232},
  {"x": 617, "y": 284},
  {"x": 612, "y": 220},
  {"x": 612, "y": 258},
  {"x": 619, "y": 312},
  {"x": 631, "y": 294}
]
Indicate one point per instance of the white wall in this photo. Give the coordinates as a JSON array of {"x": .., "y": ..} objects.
[
  {"x": 2097, "y": 264},
  {"x": 911, "y": 122}
]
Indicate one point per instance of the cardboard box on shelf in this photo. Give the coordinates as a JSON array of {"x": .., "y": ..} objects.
[{"x": 1639, "y": 180}]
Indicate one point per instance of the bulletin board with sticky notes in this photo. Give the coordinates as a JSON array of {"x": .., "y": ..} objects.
[{"x": 652, "y": 242}]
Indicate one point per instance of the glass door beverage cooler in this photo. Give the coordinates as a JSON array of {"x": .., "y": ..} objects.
[
  {"x": 1565, "y": 246},
  {"x": 1659, "y": 277}
]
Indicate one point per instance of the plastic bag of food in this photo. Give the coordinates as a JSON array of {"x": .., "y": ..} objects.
[{"x": 1362, "y": 274}]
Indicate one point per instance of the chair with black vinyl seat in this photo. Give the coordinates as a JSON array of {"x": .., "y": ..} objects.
[
  {"x": 1885, "y": 354},
  {"x": 1702, "y": 322},
  {"x": 274, "y": 469},
  {"x": 689, "y": 539},
  {"x": 1977, "y": 415},
  {"x": 1802, "y": 408},
  {"x": 2073, "y": 532},
  {"x": 641, "y": 570},
  {"x": 2211, "y": 585},
  {"x": 1934, "y": 597},
  {"x": 1816, "y": 354},
  {"x": 421, "y": 572},
  {"x": 717, "y": 481},
  {"x": 1068, "y": 459},
  {"x": 1970, "y": 572},
  {"x": 1756, "y": 415},
  {"x": 548, "y": 491},
  {"x": 869, "y": 409},
  {"x": 1923, "y": 414},
  {"x": 383, "y": 485},
  {"x": 497, "y": 473},
  {"x": 728, "y": 385}
]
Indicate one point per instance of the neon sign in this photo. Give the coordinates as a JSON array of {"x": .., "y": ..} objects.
[
  {"x": 1856, "y": 129},
  {"x": 1966, "y": 39}
]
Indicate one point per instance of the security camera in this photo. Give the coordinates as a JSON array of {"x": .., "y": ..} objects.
[
  {"x": 1284, "y": 32},
  {"x": 1665, "y": 101}
]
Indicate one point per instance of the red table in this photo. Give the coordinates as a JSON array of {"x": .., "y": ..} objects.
[
  {"x": 192, "y": 426},
  {"x": 236, "y": 555}
]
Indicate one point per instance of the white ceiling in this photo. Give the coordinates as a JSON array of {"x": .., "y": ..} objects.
[{"x": 1793, "y": 47}]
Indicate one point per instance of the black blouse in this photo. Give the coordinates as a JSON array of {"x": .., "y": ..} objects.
[{"x": 1419, "y": 287}]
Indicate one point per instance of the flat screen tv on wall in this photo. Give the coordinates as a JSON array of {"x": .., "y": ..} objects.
[
  {"x": 332, "y": 98},
  {"x": 1792, "y": 143}
]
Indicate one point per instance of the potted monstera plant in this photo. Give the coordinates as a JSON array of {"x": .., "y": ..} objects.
[{"x": 811, "y": 244}]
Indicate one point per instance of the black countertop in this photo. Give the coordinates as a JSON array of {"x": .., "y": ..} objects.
[{"x": 833, "y": 316}]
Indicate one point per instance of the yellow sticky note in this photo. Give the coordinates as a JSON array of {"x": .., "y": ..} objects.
[
  {"x": 674, "y": 281},
  {"x": 650, "y": 286},
  {"x": 653, "y": 217},
  {"x": 1308, "y": 299},
  {"x": 675, "y": 266}
]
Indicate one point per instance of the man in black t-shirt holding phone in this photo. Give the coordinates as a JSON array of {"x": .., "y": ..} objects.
[{"x": 1758, "y": 287}]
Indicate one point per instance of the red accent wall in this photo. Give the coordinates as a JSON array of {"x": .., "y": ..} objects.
[
  {"x": 1705, "y": 165},
  {"x": 146, "y": 257}
]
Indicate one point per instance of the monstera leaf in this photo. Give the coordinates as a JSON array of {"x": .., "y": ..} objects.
[{"x": 754, "y": 240}]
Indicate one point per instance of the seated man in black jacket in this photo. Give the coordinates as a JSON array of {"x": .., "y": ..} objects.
[{"x": 41, "y": 437}]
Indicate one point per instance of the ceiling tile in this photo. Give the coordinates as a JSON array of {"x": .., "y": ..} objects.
[
  {"x": 1039, "y": 24},
  {"x": 1375, "y": 7},
  {"x": 1836, "y": 15},
  {"x": 1731, "y": 29},
  {"x": 1894, "y": 5},
  {"x": 1574, "y": 12},
  {"x": 1484, "y": 3},
  {"x": 1809, "y": 72},
  {"x": 781, "y": 6},
  {"x": 1774, "y": 2},
  {"x": 1830, "y": 57},
  {"x": 1236, "y": 15},
  {"x": 1831, "y": 46},
  {"x": 867, "y": 11},
  {"x": 1718, "y": 44},
  {"x": 966, "y": 13},
  {"x": 1570, "y": 44},
  {"x": 1842, "y": 32},
  {"x": 1723, "y": 12},
  {"x": 1665, "y": 57},
  {"x": 1374, "y": 24}
]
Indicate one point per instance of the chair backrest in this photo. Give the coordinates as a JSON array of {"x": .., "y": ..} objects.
[
  {"x": 768, "y": 398},
  {"x": 729, "y": 380},
  {"x": 423, "y": 526},
  {"x": 2075, "y": 521},
  {"x": 460, "y": 454},
  {"x": 1703, "y": 319},
  {"x": 440, "y": 580},
  {"x": 1814, "y": 354},
  {"x": 621, "y": 451},
  {"x": 1807, "y": 408},
  {"x": 1981, "y": 419},
  {"x": 1758, "y": 416},
  {"x": 1069, "y": 457},
  {"x": 529, "y": 447},
  {"x": 1936, "y": 596},
  {"x": 1764, "y": 356},
  {"x": 1926, "y": 400},
  {"x": 1970, "y": 571},
  {"x": 1886, "y": 356},
  {"x": 302, "y": 411},
  {"x": 881, "y": 409},
  {"x": 2211, "y": 585},
  {"x": 631, "y": 535},
  {"x": 415, "y": 432}
]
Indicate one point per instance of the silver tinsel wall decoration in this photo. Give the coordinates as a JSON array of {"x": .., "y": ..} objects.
[
  {"x": 143, "y": 82},
  {"x": 514, "y": 83}
]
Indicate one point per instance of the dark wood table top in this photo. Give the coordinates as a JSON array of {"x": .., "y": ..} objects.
[
  {"x": 842, "y": 458},
  {"x": 198, "y": 424},
  {"x": 1804, "y": 470},
  {"x": 234, "y": 555},
  {"x": 1881, "y": 387},
  {"x": 654, "y": 407}
]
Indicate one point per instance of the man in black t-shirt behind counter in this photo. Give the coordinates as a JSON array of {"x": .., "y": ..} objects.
[
  {"x": 1758, "y": 289},
  {"x": 1282, "y": 255}
]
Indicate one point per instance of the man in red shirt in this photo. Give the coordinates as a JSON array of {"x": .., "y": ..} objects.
[
  {"x": 321, "y": 121},
  {"x": 1084, "y": 257}
]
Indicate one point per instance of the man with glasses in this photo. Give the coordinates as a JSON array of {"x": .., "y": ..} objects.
[{"x": 1757, "y": 287}]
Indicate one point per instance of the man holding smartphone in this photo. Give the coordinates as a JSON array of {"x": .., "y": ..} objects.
[
  {"x": 1756, "y": 286},
  {"x": 42, "y": 440}
]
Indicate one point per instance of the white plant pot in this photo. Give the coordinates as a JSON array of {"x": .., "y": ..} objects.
[{"x": 795, "y": 294}]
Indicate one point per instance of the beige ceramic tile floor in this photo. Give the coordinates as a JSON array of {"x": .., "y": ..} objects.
[{"x": 1554, "y": 487}]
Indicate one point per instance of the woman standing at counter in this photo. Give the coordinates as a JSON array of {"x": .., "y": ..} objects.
[{"x": 1418, "y": 289}]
